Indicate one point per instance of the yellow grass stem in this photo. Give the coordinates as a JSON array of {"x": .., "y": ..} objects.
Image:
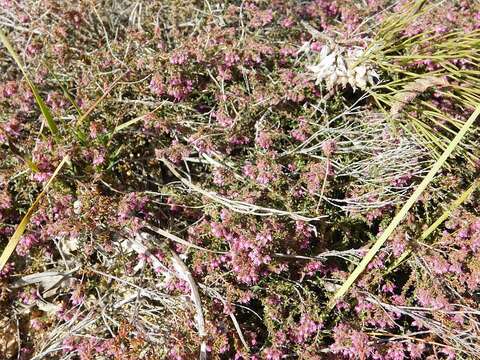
[
  {"x": 404, "y": 210},
  {"x": 13, "y": 242}
]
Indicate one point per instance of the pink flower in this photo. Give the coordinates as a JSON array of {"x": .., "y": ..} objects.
[
  {"x": 388, "y": 288},
  {"x": 287, "y": 22},
  {"x": 10, "y": 89},
  {"x": 177, "y": 285},
  {"x": 33, "y": 49},
  {"x": 416, "y": 350},
  {"x": 261, "y": 18},
  {"x": 350, "y": 343},
  {"x": 175, "y": 153},
  {"x": 266, "y": 172},
  {"x": 98, "y": 158},
  {"x": 179, "y": 57},
  {"x": 77, "y": 298},
  {"x": 329, "y": 147},
  {"x": 13, "y": 127},
  {"x": 228, "y": 309},
  {"x": 95, "y": 128},
  {"x": 451, "y": 353},
  {"x": 299, "y": 135},
  {"x": 231, "y": 59},
  {"x": 272, "y": 353},
  {"x": 438, "y": 264},
  {"x": 316, "y": 46},
  {"x": 314, "y": 178},
  {"x": 28, "y": 297},
  {"x": 179, "y": 88},
  {"x": 7, "y": 270},
  {"x": 250, "y": 170},
  {"x": 56, "y": 101},
  {"x": 287, "y": 51},
  {"x": 475, "y": 243},
  {"x": 36, "y": 324},
  {"x": 395, "y": 352},
  {"x": 26, "y": 243},
  {"x": 223, "y": 119},
  {"x": 302, "y": 132},
  {"x": 130, "y": 205},
  {"x": 42, "y": 177},
  {"x": 219, "y": 177},
  {"x": 264, "y": 140},
  {"x": 305, "y": 329},
  {"x": 156, "y": 85},
  {"x": 399, "y": 245},
  {"x": 239, "y": 140},
  {"x": 68, "y": 344},
  {"x": 217, "y": 230}
]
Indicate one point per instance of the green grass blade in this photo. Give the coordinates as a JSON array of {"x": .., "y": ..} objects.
[
  {"x": 41, "y": 104},
  {"x": 65, "y": 91},
  {"x": 459, "y": 201},
  {"x": 446, "y": 214},
  {"x": 13, "y": 242},
  {"x": 99, "y": 100},
  {"x": 404, "y": 210},
  {"x": 135, "y": 120}
]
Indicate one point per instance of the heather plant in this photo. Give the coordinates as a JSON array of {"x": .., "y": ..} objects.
[{"x": 219, "y": 180}]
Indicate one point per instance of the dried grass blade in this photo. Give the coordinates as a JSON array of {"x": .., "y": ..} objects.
[
  {"x": 185, "y": 274},
  {"x": 404, "y": 210},
  {"x": 12, "y": 244}
]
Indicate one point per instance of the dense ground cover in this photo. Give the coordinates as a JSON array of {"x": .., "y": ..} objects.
[{"x": 197, "y": 179}]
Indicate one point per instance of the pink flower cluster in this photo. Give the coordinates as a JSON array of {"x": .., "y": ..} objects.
[
  {"x": 264, "y": 172},
  {"x": 179, "y": 88},
  {"x": 305, "y": 329},
  {"x": 26, "y": 243},
  {"x": 132, "y": 205},
  {"x": 248, "y": 253},
  {"x": 351, "y": 343}
]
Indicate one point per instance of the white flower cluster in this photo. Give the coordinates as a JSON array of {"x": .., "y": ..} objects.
[{"x": 341, "y": 66}]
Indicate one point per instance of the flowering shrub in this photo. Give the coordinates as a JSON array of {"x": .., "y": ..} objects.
[{"x": 227, "y": 166}]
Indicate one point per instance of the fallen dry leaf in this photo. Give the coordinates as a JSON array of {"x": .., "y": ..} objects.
[
  {"x": 50, "y": 281},
  {"x": 8, "y": 339},
  {"x": 414, "y": 89}
]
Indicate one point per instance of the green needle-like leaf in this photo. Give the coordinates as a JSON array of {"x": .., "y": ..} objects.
[{"x": 41, "y": 104}]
